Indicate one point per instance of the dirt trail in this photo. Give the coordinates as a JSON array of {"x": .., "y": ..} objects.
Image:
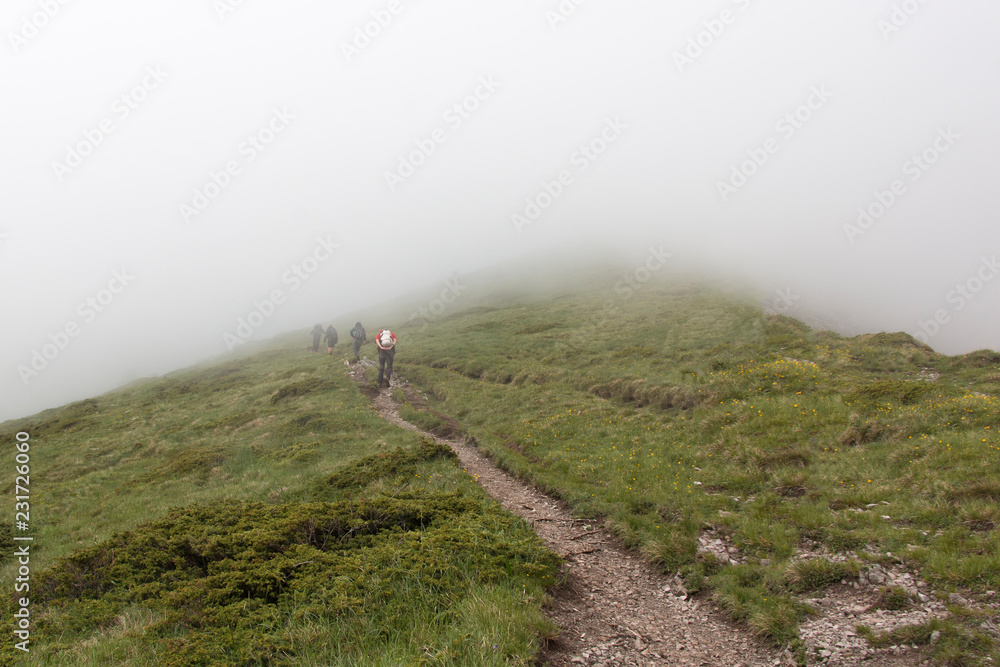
[{"x": 615, "y": 609}]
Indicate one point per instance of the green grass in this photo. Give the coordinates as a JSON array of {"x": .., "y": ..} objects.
[
  {"x": 675, "y": 412},
  {"x": 237, "y": 583},
  {"x": 952, "y": 642},
  {"x": 259, "y": 512},
  {"x": 681, "y": 409}
]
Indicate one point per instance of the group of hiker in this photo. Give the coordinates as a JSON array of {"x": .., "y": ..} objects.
[
  {"x": 330, "y": 338},
  {"x": 385, "y": 341}
]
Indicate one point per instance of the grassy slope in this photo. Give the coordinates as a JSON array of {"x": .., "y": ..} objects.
[
  {"x": 677, "y": 409},
  {"x": 260, "y": 512},
  {"x": 668, "y": 412}
]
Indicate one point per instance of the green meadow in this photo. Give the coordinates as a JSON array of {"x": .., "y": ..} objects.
[
  {"x": 259, "y": 512},
  {"x": 680, "y": 409}
]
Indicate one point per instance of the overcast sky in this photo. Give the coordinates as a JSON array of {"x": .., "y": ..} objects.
[{"x": 169, "y": 166}]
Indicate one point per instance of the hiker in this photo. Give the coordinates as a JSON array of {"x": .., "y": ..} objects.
[
  {"x": 359, "y": 336},
  {"x": 386, "y": 342},
  {"x": 317, "y": 333},
  {"x": 331, "y": 339}
]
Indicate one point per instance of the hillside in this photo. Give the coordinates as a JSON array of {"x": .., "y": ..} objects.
[
  {"x": 761, "y": 460},
  {"x": 260, "y": 511}
]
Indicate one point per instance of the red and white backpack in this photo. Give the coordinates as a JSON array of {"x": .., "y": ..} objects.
[{"x": 385, "y": 340}]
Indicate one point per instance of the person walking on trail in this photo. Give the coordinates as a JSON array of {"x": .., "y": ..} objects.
[
  {"x": 317, "y": 333},
  {"x": 359, "y": 336},
  {"x": 386, "y": 342},
  {"x": 331, "y": 339}
]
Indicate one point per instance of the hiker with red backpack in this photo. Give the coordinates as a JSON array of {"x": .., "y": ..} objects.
[{"x": 386, "y": 342}]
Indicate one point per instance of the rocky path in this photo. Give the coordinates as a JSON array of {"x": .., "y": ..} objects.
[
  {"x": 617, "y": 610},
  {"x": 614, "y": 608}
]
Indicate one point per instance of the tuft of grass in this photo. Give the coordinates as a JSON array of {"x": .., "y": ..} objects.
[
  {"x": 539, "y": 327},
  {"x": 988, "y": 490},
  {"x": 302, "y": 452},
  {"x": 891, "y": 598},
  {"x": 311, "y": 385},
  {"x": 635, "y": 350},
  {"x": 671, "y": 551},
  {"x": 951, "y": 643},
  {"x": 860, "y": 432},
  {"x": 232, "y": 421},
  {"x": 71, "y": 418},
  {"x": 903, "y": 392},
  {"x": 198, "y": 460},
  {"x": 753, "y": 595},
  {"x": 398, "y": 462},
  {"x": 814, "y": 574}
]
